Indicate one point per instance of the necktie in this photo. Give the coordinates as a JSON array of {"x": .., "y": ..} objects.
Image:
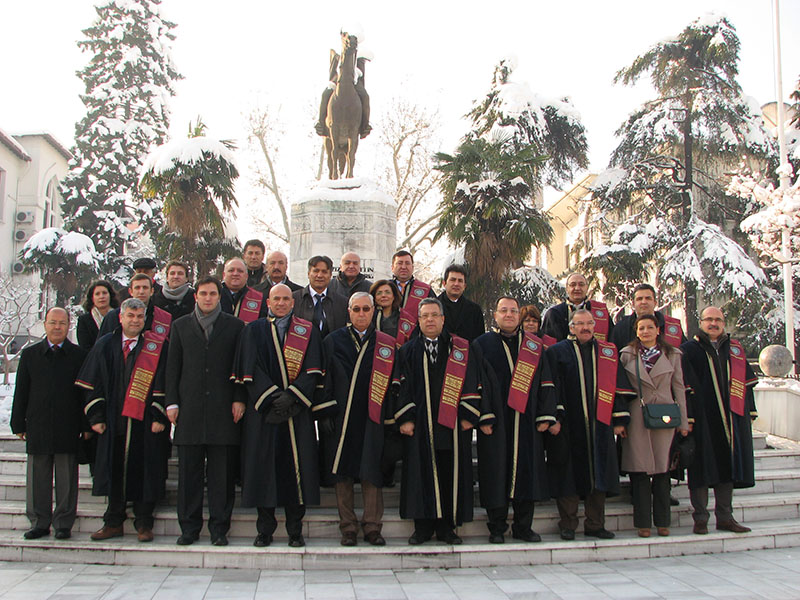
[
  {"x": 126, "y": 349},
  {"x": 318, "y": 314},
  {"x": 431, "y": 347}
]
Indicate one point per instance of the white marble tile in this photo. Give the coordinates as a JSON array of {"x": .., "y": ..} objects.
[{"x": 329, "y": 591}]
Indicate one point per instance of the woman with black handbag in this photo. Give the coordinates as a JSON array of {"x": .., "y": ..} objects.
[{"x": 653, "y": 368}]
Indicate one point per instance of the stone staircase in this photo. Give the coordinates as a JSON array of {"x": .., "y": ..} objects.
[{"x": 771, "y": 508}]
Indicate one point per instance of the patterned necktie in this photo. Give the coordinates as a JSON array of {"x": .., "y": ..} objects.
[
  {"x": 126, "y": 349},
  {"x": 318, "y": 314},
  {"x": 430, "y": 345}
]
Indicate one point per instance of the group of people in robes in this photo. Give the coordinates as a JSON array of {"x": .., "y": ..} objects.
[{"x": 286, "y": 389}]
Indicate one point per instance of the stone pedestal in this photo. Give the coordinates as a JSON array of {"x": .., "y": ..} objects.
[
  {"x": 778, "y": 404},
  {"x": 347, "y": 215}
]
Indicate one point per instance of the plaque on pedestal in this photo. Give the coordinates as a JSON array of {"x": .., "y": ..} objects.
[{"x": 345, "y": 215}]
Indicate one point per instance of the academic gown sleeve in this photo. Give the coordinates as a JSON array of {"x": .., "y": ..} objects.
[
  {"x": 250, "y": 366},
  {"x": 405, "y": 406}
]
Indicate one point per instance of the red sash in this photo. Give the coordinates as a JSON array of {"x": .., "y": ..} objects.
[
  {"x": 524, "y": 371},
  {"x": 162, "y": 321},
  {"x": 250, "y": 306},
  {"x": 606, "y": 380},
  {"x": 144, "y": 370},
  {"x": 673, "y": 334},
  {"x": 454, "y": 374},
  {"x": 405, "y": 325},
  {"x": 418, "y": 292},
  {"x": 600, "y": 316},
  {"x": 382, "y": 362},
  {"x": 295, "y": 346},
  {"x": 738, "y": 364},
  {"x": 548, "y": 340}
]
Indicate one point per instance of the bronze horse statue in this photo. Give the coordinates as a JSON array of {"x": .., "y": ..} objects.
[{"x": 343, "y": 120}]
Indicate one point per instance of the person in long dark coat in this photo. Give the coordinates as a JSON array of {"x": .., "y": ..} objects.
[
  {"x": 131, "y": 460},
  {"x": 462, "y": 316},
  {"x": 555, "y": 321},
  {"x": 48, "y": 414},
  {"x": 356, "y": 455},
  {"x": 279, "y": 446},
  {"x": 176, "y": 296},
  {"x": 100, "y": 299},
  {"x": 590, "y": 470},
  {"x": 205, "y": 405},
  {"x": 436, "y": 488},
  {"x": 724, "y": 440},
  {"x": 522, "y": 447}
]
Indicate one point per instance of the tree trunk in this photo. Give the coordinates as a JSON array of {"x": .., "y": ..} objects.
[{"x": 689, "y": 287}]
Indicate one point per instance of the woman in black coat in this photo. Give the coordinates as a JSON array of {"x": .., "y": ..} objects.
[
  {"x": 387, "y": 306},
  {"x": 100, "y": 298}
]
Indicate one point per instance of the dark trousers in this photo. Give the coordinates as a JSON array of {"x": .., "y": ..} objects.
[
  {"x": 650, "y": 494},
  {"x": 266, "y": 524},
  {"x": 497, "y": 518},
  {"x": 218, "y": 463},
  {"x": 373, "y": 507},
  {"x": 723, "y": 498},
  {"x": 444, "y": 526},
  {"x": 595, "y": 508},
  {"x": 115, "y": 514},
  {"x": 39, "y": 490}
]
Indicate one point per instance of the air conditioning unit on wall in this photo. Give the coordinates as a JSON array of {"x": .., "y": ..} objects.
[
  {"x": 18, "y": 268},
  {"x": 22, "y": 235},
  {"x": 25, "y": 216}
]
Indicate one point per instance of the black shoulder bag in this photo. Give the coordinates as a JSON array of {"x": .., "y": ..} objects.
[{"x": 657, "y": 416}]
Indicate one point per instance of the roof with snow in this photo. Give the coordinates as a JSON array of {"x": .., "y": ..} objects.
[
  {"x": 13, "y": 145},
  {"x": 50, "y": 139},
  {"x": 567, "y": 199}
]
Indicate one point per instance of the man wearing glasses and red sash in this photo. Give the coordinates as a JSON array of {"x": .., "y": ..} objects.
[
  {"x": 555, "y": 321},
  {"x": 722, "y": 405},
  {"x": 124, "y": 379},
  {"x": 437, "y": 407},
  {"x": 591, "y": 414},
  {"x": 280, "y": 362}
]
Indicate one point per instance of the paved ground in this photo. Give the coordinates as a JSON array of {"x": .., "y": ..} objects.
[{"x": 772, "y": 574}]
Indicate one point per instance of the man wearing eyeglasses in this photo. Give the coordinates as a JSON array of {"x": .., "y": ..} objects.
[
  {"x": 722, "y": 405},
  {"x": 358, "y": 371}
]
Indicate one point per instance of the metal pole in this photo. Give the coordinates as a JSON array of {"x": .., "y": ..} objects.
[{"x": 786, "y": 250}]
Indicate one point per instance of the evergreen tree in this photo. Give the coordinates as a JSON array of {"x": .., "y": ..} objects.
[
  {"x": 128, "y": 80},
  {"x": 662, "y": 207}
]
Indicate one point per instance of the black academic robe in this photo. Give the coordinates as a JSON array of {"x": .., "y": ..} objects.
[
  {"x": 420, "y": 388},
  {"x": 407, "y": 290},
  {"x": 521, "y": 446},
  {"x": 591, "y": 460},
  {"x": 358, "y": 440},
  {"x": 463, "y": 318},
  {"x": 48, "y": 407},
  {"x": 200, "y": 381},
  {"x": 723, "y": 439},
  {"x": 177, "y": 309},
  {"x": 111, "y": 320},
  {"x": 279, "y": 460},
  {"x": 623, "y": 332},
  {"x": 555, "y": 321},
  {"x": 105, "y": 377},
  {"x": 230, "y": 302}
]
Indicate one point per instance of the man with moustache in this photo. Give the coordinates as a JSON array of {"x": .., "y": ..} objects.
[
  {"x": 555, "y": 321},
  {"x": 358, "y": 371},
  {"x": 279, "y": 361},
  {"x": 124, "y": 381},
  {"x": 722, "y": 404},
  {"x": 591, "y": 414},
  {"x": 205, "y": 406},
  {"x": 350, "y": 278},
  {"x": 237, "y": 298},
  {"x": 277, "y": 265},
  {"x": 316, "y": 302}
]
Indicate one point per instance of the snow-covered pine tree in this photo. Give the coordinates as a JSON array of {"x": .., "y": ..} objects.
[
  {"x": 662, "y": 206},
  {"x": 129, "y": 80}
]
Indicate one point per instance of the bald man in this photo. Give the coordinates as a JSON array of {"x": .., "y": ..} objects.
[{"x": 350, "y": 278}]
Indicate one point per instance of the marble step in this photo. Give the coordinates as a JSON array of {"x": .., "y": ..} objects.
[
  {"x": 397, "y": 554},
  {"x": 324, "y": 522}
]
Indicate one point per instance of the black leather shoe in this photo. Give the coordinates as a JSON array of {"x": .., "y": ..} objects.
[
  {"x": 186, "y": 539},
  {"x": 220, "y": 541},
  {"x": 673, "y": 501},
  {"x": 374, "y": 538},
  {"x": 349, "y": 538},
  {"x": 450, "y": 538},
  {"x": 297, "y": 541},
  {"x": 567, "y": 534},
  {"x": 602, "y": 533},
  {"x": 35, "y": 533},
  {"x": 262, "y": 540},
  {"x": 63, "y": 534},
  {"x": 416, "y": 539},
  {"x": 496, "y": 538},
  {"x": 527, "y": 536}
]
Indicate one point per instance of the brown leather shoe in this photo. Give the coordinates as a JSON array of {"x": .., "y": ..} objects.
[
  {"x": 375, "y": 538},
  {"x": 106, "y": 532},
  {"x": 701, "y": 528},
  {"x": 663, "y": 531},
  {"x": 349, "y": 538},
  {"x": 732, "y": 525},
  {"x": 145, "y": 535},
  {"x": 644, "y": 532}
]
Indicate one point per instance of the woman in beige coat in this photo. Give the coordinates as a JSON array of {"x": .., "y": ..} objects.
[{"x": 645, "y": 452}]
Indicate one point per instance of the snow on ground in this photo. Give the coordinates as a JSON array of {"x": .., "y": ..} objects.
[{"x": 6, "y": 398}]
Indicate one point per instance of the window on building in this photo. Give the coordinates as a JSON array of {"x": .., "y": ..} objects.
[{"x": 50, "y": 204}]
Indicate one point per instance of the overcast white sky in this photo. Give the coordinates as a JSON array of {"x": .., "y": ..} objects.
[{"x": 438, "y": 53}]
